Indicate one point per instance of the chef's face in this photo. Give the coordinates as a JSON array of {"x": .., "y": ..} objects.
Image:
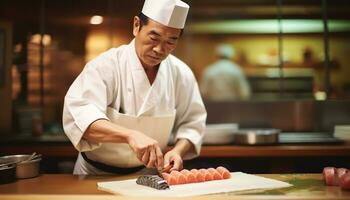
[{"x": 154, "y": 42}]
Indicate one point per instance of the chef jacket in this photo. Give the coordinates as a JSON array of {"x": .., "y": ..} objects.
[
  {"x": 116, "y": 80},
  {"x": 224, "y": 80}
]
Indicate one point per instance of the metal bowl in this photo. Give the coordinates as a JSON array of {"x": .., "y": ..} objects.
[
  {"x": 24, "y": 168},
  {"x": 256, "y": 136}
]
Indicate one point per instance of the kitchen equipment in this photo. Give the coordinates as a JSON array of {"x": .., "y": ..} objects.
[
  {"x": 6, "y": 163},
  {"x": 238, "y": 182},
  {"x": 7, "y": 173},
  {"x": 342, "y": 132},
  {"x": 27, "y": 166},
  {"x": 31, "y": 157},
  {"x": 308, "y": 138},
  {"x": 256, "y": 136},
  {"x": 219, "y": 133}
]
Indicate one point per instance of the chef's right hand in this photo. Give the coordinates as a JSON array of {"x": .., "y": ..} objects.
[{"x": 146, "y": 149}]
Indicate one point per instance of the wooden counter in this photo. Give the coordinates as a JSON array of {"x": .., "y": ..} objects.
[{"x": 66, "y": 186}]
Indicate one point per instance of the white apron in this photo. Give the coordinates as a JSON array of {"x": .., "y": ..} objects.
[{"x": 120, "y": 154}]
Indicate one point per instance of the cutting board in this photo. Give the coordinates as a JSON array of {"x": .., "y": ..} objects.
[{"x": 238, "y": 182}]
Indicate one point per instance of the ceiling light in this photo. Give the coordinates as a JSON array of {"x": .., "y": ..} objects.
[
  {"x": 35, "y": 39},
  {"x": 96, "y": 20}
]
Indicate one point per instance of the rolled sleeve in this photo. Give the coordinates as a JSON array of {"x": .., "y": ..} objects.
[
  {"x": 86, "y": 115},
  {"x": 85, "y": 102},
  {"x": 195, "y": 138},
  {"x": 76, "y": 120}
]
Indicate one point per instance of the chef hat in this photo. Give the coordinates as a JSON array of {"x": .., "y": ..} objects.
[
  {"x": 225, "y": 50},
  {"x": 170, "y": 13}
]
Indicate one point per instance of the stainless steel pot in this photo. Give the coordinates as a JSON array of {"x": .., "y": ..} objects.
[
  {"x": 24, "y": 168},
  {"x": 256, "y": 136}
]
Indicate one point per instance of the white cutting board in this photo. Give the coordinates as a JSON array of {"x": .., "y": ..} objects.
[{"x": 238, "y": 182}]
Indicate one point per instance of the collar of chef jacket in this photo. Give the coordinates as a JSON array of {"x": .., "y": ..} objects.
[{"x": 147, "y": 93}]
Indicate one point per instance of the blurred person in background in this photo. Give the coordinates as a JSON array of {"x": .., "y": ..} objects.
[
  {"x": 224, "y": 79},
  {"x": 120, "y": 111}
]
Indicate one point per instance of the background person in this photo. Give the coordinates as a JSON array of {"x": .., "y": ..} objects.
[{"x": 224, "y": 79}]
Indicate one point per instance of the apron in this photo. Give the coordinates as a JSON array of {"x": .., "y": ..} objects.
[{"x": 158, "y": 127}]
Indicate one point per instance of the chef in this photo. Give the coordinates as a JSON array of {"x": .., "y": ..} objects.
[
  {"x": 224, "y": 80},
  {"x": 124, "y": 106}
]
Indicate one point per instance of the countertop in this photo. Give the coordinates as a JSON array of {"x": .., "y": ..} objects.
[{"x": 66, "y": 186}]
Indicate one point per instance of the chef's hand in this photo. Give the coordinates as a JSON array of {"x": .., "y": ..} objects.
[
  {"x": 146, "y": 149},
  {"x": 173, "y": 158},
  {"x": 182, "y": 146}
]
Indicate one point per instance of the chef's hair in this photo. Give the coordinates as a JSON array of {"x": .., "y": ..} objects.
[{"x": 144, "y": 21}]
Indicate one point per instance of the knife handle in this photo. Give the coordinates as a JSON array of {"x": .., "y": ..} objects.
[{"x": 167, "y": 168}]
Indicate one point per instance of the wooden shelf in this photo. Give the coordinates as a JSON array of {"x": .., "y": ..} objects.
[
  {"x": 276, "y": 151},
  {"x": 207, "y": 151}
]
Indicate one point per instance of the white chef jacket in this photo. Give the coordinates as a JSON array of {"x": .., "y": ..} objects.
[
  {"x": 224, "y": 80},
  {"x": 117, "y": 79}
]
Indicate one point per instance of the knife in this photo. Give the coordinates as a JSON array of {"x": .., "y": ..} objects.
[{"x": 166, "y": 169}]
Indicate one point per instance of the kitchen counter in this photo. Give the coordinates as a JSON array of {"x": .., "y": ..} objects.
[{"x": 66, "y": 186}]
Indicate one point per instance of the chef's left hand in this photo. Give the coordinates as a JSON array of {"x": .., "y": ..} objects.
[
  {"x": 175, "y": 159},
  {"x": 174, "y": 156}
]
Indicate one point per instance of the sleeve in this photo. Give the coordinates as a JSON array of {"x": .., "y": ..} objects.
[
  {"x": 190, "y": 112},
  {"x": 85, "y": 102},
  {"x": 204, "y": 84}
]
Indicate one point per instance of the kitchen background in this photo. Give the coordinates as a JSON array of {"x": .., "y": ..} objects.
[{"x": 294, "y": 54}]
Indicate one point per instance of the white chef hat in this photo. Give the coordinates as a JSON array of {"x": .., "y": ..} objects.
[{"x": 170, "y": 13}]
